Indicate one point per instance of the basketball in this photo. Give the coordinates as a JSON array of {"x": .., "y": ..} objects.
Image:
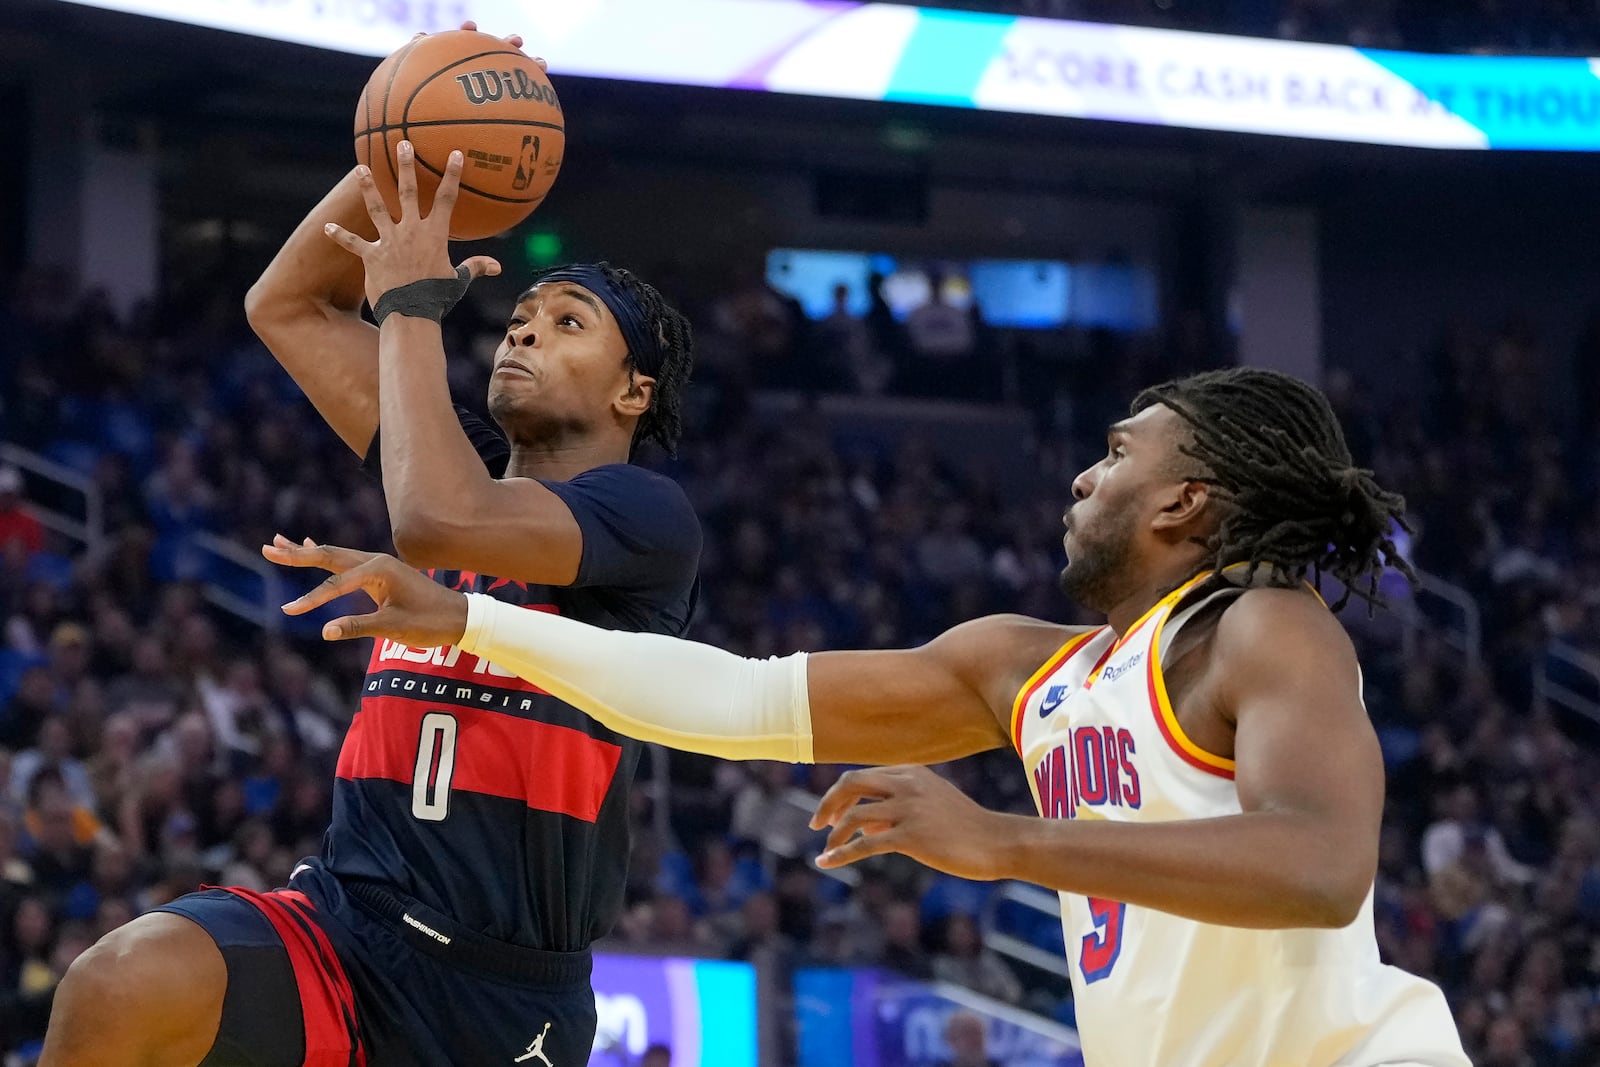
[{"x": 473, "y": 92}]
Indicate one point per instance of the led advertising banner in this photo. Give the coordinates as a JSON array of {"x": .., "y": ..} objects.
[
  {"x": 859, "y": 1017},
  {"x": 872, "y": 51},
  {"x": 704, "y": 1010}
]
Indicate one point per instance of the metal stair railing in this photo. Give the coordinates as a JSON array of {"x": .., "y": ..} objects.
[
  {"x": 89, "y": 531},
  {"x": 263, "y": 612},
  {"x": 1557, "y": 667},
  {"x": 1464, "y": 633},
  {"x": 1036, "y": 899}
]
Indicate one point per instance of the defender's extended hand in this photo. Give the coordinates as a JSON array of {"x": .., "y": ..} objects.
[
  {"x": 912, "y": 811},
  {"x": 411, "y": 607}
]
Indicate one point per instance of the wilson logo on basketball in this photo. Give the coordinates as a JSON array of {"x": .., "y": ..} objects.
[{"x": 487, "y": 86}]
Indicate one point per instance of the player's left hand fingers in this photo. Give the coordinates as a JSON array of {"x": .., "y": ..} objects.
[
  {"x": 377, "y": 210},
  {"x": 512, "y": 39},
  {"x": 481, "y": 267},
  {"x": 860, "y": 849},
  {"x": 346, "y": 240},
  {"x": 444, "y": 200},
  {"x": 868, "y": 817},
  {"x": 309, "y": 554},
  {"x": 405, "y": 155},
  {"x": 350, "y": 627},
  {"x": 332, "y": 588},
  {"x": 411, "y": 609},
  {"x": 875, "y": 784}
]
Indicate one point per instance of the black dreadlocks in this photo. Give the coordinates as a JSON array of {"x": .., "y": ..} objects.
[
  {"x": 663, "y": 422},
  {"x": 1273, "y": 445}
]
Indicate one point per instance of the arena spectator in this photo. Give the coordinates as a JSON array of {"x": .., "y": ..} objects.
[
  {"x": 967, "y": 1037},
  {"x": 964, "y": 961},
  {"x": 17, "y": 526}
]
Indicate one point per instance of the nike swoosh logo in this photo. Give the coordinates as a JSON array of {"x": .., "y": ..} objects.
[{"x": 1047, "y": 706}]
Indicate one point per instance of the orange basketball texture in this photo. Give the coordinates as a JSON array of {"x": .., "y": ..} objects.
[{"x": 473, "y": 92}]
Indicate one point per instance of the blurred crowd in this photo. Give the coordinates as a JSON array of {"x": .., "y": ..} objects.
[
  {"x": 151, "y": 739},
  {"x": 1570, "y": 27}
]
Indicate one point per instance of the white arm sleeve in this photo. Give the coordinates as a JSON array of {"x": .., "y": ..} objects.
[{"x": 663, "y": 689}]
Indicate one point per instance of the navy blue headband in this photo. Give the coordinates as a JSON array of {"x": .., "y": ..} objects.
[{"x": 642, "y": 343}]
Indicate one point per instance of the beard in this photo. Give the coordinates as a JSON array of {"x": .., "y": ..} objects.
[{"x": 1097, "y": 574}]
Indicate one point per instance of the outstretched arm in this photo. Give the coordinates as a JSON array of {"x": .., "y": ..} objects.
[
  {"x": 948, "y": 698},
  {"x": 306, "y": 308},
  {"x": 929, "y": 704},
  {"x": 1309, "y": 773}
]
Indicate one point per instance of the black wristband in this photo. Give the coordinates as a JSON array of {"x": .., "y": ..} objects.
[{"x": 430, "y": 298}]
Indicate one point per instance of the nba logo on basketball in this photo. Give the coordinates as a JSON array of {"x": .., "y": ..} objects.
[{"x": 525, "y": 161}]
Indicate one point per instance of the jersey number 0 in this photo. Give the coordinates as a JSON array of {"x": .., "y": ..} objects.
[{"x": 436, "y": 764}]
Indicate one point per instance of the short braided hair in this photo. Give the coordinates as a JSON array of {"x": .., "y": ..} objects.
[{"x": 1299, "y": 504}]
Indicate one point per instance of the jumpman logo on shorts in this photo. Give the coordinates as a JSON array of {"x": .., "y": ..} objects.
[{"x": 536, "y": 1049}]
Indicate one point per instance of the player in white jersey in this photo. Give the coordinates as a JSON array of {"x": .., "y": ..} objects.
[{"x": 1211, "y": 786}]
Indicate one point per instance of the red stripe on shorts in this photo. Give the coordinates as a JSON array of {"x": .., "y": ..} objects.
[{"x": 327, "y": 1002}]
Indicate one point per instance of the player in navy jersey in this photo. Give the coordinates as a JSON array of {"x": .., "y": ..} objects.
[{"x": 480, "y": 827}]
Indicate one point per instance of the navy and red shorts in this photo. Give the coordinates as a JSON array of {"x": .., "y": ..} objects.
[{"x": 329, "y": 974}]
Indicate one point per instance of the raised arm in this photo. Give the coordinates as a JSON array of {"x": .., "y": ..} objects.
[
  {"x": 306, "y": 308},
  {"x": 1309, "y": 773},
  {"x": 929, "y": 704},
  {"x": 445, "y": 509}
]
